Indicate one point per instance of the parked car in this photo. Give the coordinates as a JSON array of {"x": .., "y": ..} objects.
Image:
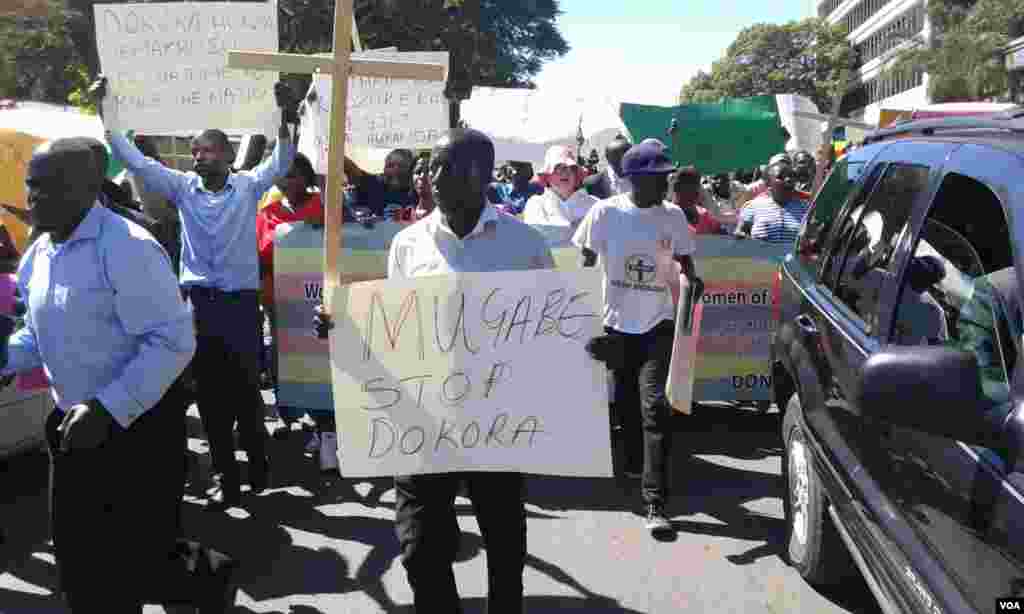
[{"x": 896, "y": 363}]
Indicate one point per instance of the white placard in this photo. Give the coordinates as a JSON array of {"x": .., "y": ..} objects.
[
  {"x": 471, "y": 372},
  {"x": 166, "y": 65},
  {"x": 385, "y": 113}
]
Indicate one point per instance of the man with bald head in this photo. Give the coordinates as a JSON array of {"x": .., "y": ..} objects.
[
  {"x": 106, "y": 321},
  {"x": 220, "y": 277},
  {"x": 611, "y": 182},
  {"x": 464, "y": 233}
]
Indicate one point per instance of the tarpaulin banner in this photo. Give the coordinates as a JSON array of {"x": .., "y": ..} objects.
[
  {"x": 735, "y": 331},
  {"x": 740, "y": 133}
]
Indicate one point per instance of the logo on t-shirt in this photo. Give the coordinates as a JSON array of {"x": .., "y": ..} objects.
[
  {"x": 640, "y": 269},
  {"x": 641, "y": 274}
]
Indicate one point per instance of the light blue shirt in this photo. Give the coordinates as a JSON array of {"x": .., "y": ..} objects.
[
  {"x": 218, "y": 230},
  {"x": 104, "y": 318}
]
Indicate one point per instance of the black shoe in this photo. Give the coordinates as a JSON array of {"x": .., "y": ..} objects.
[
  {"x": 259, "y": 480},
  {"x": 222, "y": 590},
  {"x": 223, "y": 494},
  {"x": 657, "y": 522}
]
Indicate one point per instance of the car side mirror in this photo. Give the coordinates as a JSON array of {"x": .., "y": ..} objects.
[{"x": 932, "y": 389}]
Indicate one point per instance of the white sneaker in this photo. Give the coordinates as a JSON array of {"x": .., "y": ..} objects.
[{"x": 328, "y": 451}]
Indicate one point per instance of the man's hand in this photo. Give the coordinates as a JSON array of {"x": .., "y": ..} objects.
[
  {"x": 85, "y": 427},
  {"x": 98, "y": 93},
  {"x": 287, "y": 102},
  {"x": 322, "y": 322}
]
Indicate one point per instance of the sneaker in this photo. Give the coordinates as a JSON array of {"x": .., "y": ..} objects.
[
  {"x": 657, "y": 522},
  {"x": 313, "y": 445},
  {"x": 328, "y": 451}
]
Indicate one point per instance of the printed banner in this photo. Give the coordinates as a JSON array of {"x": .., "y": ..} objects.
[
  {"x": 471, "y": 372},
  {"x": 167, "y": 65},
  {"x": 735, "y": 330}
]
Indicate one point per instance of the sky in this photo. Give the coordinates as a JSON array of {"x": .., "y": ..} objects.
[{"x": 643, "y": 51}]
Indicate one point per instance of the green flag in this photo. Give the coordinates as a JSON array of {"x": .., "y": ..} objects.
[{"x": 737, "y": 133}]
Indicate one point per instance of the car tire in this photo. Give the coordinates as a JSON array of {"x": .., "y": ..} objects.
[{"x": 813, "y": 546}]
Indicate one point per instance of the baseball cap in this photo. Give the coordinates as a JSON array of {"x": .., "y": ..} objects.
[
  {"x": 559, "y": 154},
  {"x": 647, "y": 158}
]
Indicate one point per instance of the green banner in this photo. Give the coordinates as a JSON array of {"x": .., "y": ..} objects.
[{"x": 737, "y": 133}]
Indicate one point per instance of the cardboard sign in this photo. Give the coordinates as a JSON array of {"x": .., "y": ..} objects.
[
  {"x": 736, "y": 323},
  {"x": 167, "y": 65},
  {"x": 471, "y": 372},
  {"x": 382, "y": 113}
]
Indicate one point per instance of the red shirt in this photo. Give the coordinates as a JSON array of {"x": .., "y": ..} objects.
[
  {"x": 706, "y": 224},
  {"x": 276, "y": 213}
]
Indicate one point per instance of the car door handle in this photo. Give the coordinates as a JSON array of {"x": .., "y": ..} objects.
[{"x": 806, "y": 324}]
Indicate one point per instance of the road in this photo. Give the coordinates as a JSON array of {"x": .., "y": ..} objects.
[{"x": 316, "y": 543}]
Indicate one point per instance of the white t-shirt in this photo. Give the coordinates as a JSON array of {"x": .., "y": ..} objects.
[
  {"x": 636, "y": 247},
  {"x": 548, "y": 209}
]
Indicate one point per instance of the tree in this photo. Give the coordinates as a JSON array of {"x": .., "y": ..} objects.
[
  {"x": 38, "y": 59},
  {"x": 964, "y": 58},
  {"x": 811, "y": 58}
]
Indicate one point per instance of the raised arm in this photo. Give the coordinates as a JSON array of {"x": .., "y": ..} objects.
[
  {"x": 167, "y": 182},
  {"x": 281, "y": 159}
]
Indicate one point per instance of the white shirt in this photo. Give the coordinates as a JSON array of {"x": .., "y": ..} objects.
[
  {"x": 499, "y": 242},
  {"x": 619, "y": 185},
  {"x": 548, "y": 209},
  {"x": 636, "y": 247}
]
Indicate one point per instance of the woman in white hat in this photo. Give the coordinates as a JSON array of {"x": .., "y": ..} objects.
[{"x": 564, "y": 202}]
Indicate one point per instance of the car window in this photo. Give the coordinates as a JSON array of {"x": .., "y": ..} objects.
[
  {"x": 825, "y": 211},
  {"x": 871, "y": 234},
  {"x": 960, "y": 288}
]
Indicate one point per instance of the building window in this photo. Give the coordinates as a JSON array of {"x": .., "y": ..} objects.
[
  {"x": 876, "y": 90},
  {"x": 853, "y": 19}
]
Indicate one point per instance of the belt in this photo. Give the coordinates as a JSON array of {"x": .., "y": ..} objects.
[{"x": 206, "y": 292}]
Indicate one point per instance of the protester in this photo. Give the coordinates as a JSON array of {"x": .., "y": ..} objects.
[
  {"x": 424, "y": 193},
  {"x": 760, "y": 186},
  {"x": 775, "y": 217},
  {"x": 642, "y": 242},
  {"x": 514, "y": 196},
  {"x": 107, "y": 322},
  {"x": 463, "y": 234},
  {"x": 220, "y": 276},
  {"x": 392, "y": 188},
  {"x": 685, "y": 192},
  {"x": 563, "y": 203},
  {"x": 611, "y": 182},
  {"x": 804, "y": 168}
]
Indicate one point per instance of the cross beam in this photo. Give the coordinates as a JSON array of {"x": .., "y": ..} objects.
[{"x": 340, "y": 66}]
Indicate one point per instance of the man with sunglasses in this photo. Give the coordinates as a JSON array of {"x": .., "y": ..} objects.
[{"x": 776, "y": 216}]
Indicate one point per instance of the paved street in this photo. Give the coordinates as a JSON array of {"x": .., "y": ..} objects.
[{"x": 319, "y": 544}]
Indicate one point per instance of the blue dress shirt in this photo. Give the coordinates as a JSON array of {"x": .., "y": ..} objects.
[
  {"x": 104, "y": 318},
  {"x": 218, "y": 230}
]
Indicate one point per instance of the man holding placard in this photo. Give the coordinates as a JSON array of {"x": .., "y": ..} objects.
[
  {"x": 220, "y": 277},
  {"x": 464, "y": 233},
  {"x": 642, "y": 242}
]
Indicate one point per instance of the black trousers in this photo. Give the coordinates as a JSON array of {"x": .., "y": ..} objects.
[
  {"x": 427, "y": 534},
  {"x": 640, "y": 408},
  {"x": 226, "y": 368},
  {"x": 114, "y": 514}
]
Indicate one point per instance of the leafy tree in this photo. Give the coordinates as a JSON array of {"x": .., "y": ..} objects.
[
  {"x": 964, "y": 57},
  {"x": 38, "y": 59},
  {"x": 811, "y": 58}
]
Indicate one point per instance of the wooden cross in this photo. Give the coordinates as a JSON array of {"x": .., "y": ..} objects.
[{"x": 339, "y": 66}]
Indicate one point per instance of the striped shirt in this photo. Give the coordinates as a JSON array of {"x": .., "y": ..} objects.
[{"x": 771, "y": 222}]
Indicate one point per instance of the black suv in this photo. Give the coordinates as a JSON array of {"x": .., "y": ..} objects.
[{"x": 896, "y": 362}]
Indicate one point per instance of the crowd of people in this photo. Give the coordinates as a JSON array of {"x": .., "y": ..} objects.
[{"x": 147, "y": 296}]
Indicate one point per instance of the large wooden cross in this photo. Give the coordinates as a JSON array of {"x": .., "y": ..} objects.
[{"x": 339, "y": 66}]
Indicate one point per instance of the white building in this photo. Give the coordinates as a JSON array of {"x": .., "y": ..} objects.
[{"x": 876, "y": 28}]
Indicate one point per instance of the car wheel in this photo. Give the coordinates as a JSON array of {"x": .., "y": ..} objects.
[{"x": 813, "y": 545}]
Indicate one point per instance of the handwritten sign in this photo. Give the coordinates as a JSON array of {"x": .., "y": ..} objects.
[
  {"x": 167, "y": 64},
  {"x": 732, "y": 350},
  {"x": 386, "y": 113},
  {"x": 471, "y": 372}
]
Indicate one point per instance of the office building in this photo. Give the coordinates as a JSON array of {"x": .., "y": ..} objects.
[{"x": 876, "y": 28}]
